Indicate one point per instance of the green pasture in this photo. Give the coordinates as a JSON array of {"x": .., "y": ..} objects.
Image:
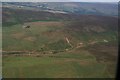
[
  {"x": 65, "y": 66},
  {"x": 46, "y": 36}
]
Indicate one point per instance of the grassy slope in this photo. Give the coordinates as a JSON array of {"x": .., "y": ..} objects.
[
  {"x": 50, "y": 36},
  {"x": 79, "y": 63},
  {"x": 67, "y": 66},
  {"x": 27, "y": 39},
  {"x": 47, "y": 34}
]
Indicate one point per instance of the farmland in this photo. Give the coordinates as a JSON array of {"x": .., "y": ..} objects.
[
  {"x": 78, "y": 62},
  {"x": 58, "y": 45}
]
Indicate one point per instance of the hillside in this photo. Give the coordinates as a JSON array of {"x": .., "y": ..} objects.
[
  {"x": 15, "y": 16},
  {"x": 81, "y": 27},
  {"x": 58, "y": 43},
  {"x": 107, "y": 9}
]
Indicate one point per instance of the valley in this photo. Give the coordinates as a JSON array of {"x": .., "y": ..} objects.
[{"x": 58, "y": 45}]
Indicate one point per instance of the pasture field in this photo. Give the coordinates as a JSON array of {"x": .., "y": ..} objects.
[
  {"x": 47, "y": 35},
  {"x": 56, "y": 52},
  {"x": 29, "y": 39},
  {"x": 83, "y": 65},
  {"x": 64, "y": 40}
]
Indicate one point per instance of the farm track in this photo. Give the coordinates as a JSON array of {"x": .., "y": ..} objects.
[
  {"x": 38, "y": 53},
  {"x": 31, "y": 53},
  {"x": 21, "y": 53}
]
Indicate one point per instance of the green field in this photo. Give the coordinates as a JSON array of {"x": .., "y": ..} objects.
[
  {"x": 65, "y": 40},
  {"x": 53, "y": 56},
  {"x": 82, "y": 65},
  {"x": 29, "y": 39}
]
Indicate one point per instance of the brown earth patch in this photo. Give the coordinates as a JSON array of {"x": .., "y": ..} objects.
[
  {"x": 52, "y": 35},
  {"x": 18, "y": 35},
  {"x": 30, "y": 38},
  {"x": 51, "y": 23},
  {"x": 85, "y": 62}
]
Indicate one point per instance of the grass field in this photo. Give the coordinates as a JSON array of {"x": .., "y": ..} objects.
[
  {"x": 77, "y": 63},
  {"x": 65, "y": 40},
  {"x": 29, "y": 39},
  {"x": 68, "y": 62},
  {"x": 82, "y": 65}
]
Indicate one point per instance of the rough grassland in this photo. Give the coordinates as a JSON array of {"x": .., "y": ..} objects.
[
  {"x": 55, "y": 67},
  {"x": 46, "y": 36}
]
